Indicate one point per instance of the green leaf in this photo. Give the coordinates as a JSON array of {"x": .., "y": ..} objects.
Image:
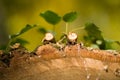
[
  {"x": 94, "y": 35},
  {"x": 93, "y": 31},
  {"x": 111, "y": 44},
  {"x": 51, "y": 17},
  {"x": 42, "y": 30},
  {"x": 19, "y": 40},
  {"x": 13, "y": 36},
  {"x": 28, "y": 27},
  {"x": 25, "y": 29},
  {"x": 69, "y": 17}
]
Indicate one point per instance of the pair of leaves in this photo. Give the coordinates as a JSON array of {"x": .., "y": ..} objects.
[{"x": 53, "y": 18}]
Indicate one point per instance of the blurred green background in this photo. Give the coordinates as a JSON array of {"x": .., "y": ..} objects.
[{"x": 15, "y": 14}]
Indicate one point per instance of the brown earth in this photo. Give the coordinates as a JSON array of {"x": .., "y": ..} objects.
[{"x": 50, "y": 63}]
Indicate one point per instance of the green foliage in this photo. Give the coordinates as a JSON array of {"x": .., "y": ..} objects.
[
  {"x": 42, "y": 30},
  {"x": 93, "y": 31},
  {"x": 110, "y": 43},
  {"x": 95, "y": 38},
  {"x": 51, "y": 17},
  {"x": 13, "y": 38},
  {"x": 25, "y": 29},
  {"x": 94, "y": 35},
  {"x": 19, "y": 40},
  {"x": 70, "y": 17}
]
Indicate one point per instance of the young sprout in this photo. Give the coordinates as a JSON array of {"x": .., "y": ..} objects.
[
  {"x": 68, "y": 18},
  {"x": 72, "y": 38},
  {"x": 49, "y": 38}
]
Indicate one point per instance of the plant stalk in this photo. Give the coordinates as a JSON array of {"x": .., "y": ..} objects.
[
  {"x": 77, "y": 29},
  {"x": 53, "y": 28},
  {"x": 66, "y": 28},
  {"x": 8, "y": 46}
]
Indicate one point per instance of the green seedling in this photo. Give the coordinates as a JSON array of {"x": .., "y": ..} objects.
[
  {"x": 14, "y": 38},
  {"x": 93, "y": 37},
  {"x": 68, "y": 18}
]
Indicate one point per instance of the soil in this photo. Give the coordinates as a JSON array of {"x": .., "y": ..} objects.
[{"x": 74, "y": 62}]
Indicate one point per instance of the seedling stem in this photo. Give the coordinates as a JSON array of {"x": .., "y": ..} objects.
[{"x": 66, "y": 28}]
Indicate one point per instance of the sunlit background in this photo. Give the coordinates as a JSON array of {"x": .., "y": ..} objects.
[{"x": 15, "y": 14}]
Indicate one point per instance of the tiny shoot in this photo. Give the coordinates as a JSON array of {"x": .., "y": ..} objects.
[
  {"x": 14, "y": 38},
  {"x": 68, "y": 18}
]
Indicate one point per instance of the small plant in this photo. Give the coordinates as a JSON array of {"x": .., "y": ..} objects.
[
  {"x": 68, "y": 18},
  {"x": 14, "y": 38},
  {"x": 93, "y": 37},
  {"x": 53, "y": 18},
  {"x": 66, "y": 52}
]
